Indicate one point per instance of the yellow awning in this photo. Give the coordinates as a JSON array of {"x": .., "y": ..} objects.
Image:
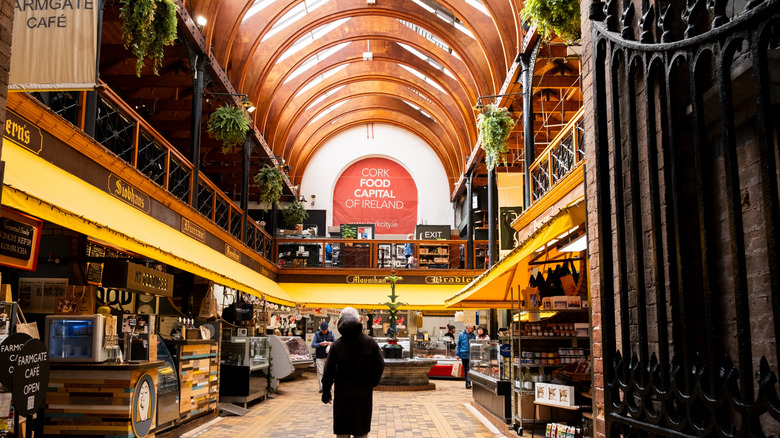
[
  {"x": 494, "y": 288},
  {"x": 39, "y": 188},
  {"x": 370, "y": 296}
]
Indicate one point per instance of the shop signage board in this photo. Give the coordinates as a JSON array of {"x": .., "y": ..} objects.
[
  {"x": 232, "y": 253},
  {"x": 432, "y": 232},
  {"x": 9, "y": 348},
  {"x": 20, "y": 237},
  {"x": 31, "y": 377},
  {"x": 129, "y": 194},
  {"x": 22, "y": 132},
  {"x": 376, "y": 191},
  {"x": 137, "y": 278},
  {"x": 55, "y": 46},
  {"x": 380, "y": 279},
  {"x": 193, "y": 230}
]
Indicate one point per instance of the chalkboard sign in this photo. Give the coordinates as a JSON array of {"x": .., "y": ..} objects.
[
  {"x": 9, "y": 348},
  {"x": 31, "y": 377}
]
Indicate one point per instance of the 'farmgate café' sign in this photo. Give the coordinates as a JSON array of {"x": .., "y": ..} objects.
[{"x": 376, "y": 191}]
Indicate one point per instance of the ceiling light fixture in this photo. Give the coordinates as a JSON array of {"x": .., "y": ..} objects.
[{"x": 201, "y": 21}]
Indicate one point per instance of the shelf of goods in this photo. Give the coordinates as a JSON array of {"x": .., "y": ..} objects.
[
  {"x": 544, "y": 347},
  {"x": 434, "y": 256}
]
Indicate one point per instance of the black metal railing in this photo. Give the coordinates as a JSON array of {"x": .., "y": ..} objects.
[
  {"x": 558, "y": 159},
  {"x": 687, "y": 203}
]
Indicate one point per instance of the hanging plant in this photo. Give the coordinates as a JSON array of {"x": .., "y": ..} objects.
[
  {"x": 229, "y": 124},
  {"x": 294, "y": 213},
  {"x": 271, "y": 182},
  {"x": 494, "y": 126},
  {"x": 561, "y": 17},
  {"x": 147, "y": 27}
]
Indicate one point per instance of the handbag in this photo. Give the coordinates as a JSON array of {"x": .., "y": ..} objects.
[{"x": 23, "y": 326}]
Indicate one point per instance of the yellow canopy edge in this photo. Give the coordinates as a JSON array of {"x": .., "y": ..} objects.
[
  {"x": 370, "y": 296},
  {"x": 41, "y": 189},
  {"x": 493, "y": 289}
]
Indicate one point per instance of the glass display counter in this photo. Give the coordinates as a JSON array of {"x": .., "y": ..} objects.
[
  {"x": 484, "y": 357},
  {"x": 491, "y": 391},
  {"x": 443, "y": 351},
  {"x": 298, "y": 354},
  {"x": 244, "y": 369}
]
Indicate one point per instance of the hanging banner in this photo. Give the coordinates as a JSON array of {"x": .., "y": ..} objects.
[
  {"x": 376, "y": 191},
  {"x": 54, "y": 45}
]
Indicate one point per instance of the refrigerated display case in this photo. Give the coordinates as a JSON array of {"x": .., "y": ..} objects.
[
  {"x": 443, "y": 351},
  {"x": 76, "y": 338},
  {"x": 491, "y": 390},
  {"x": 298, "y": 355},
  {"x": 167, "y": 388},
  {"x": 244, "y": 369}
]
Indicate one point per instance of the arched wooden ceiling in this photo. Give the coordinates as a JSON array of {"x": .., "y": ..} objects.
[
  {"x": 379, "y": 90},
  {"x": 431, "y": 61}
]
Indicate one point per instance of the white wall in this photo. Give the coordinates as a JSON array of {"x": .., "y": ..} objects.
[{"x": 433, "y": 188}]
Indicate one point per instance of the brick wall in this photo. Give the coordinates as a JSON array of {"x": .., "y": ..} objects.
[{"x": 6, "y": 27}]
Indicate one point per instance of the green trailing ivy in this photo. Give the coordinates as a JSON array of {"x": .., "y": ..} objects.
[
  {"x": 561, "y": 17},
  {"x": 294, "y": 213},
  {"x": 147, "y": 27},
  {"x": 271, "y": 182},
  {"x": 494, "y": 124},
  {"x": 229, "y": 125}
]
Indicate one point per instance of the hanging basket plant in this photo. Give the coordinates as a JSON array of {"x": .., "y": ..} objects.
[
  {"x": 561, "y": 17},
  {"x": 271, "y": 182},
  {"x": 147, "y": 27},
  {"x": 294, "y": 213},
  {"x": 494, "y": 124},
  {"x": 229, "y": 124}
]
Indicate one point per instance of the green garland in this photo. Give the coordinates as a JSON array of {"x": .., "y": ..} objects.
[
  {"x": 147, "y": 27},
  {"x": 561, "y": 17},
  {"x": 494, "y": 124},
  {"x": 229, "y": 125},
  {"x": 271, "y": 182},
  {"x": 294, "y": 213}
]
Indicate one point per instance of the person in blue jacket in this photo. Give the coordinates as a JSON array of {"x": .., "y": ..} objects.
[
  {"x": 322, "y": 339},
  {"x": 462, "y": 349}
]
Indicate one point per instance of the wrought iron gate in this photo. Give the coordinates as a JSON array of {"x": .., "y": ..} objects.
[{"x": 686, "y": 125}]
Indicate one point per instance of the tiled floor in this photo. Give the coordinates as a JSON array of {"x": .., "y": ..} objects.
[{"x": 296, "y": 411}]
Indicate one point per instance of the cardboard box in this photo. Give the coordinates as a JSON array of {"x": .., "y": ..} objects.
[
  {"x": 561, "y": 395},
  {"x": 582, "y": 328},
  {"x": 574, "y": 302}
]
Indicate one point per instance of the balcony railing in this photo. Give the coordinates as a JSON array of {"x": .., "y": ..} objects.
[
  {"x": 125, "y": 133},
  {"x": 379, "y": 254},
  {"x": 559, "y": 158}
]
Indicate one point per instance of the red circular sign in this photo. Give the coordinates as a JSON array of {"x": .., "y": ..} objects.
[{"x": 376, "y": 191}]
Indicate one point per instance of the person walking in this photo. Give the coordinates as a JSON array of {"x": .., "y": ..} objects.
[
  {"x": 321, "y": 341},
  {"x": 355, "y": 364},
  {"x": 462, "y": 349},
  {"x": 409, "y": 251}
]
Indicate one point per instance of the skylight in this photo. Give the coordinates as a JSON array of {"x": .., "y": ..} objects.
[
  {"x": 422, "y": 111},
  {"x": 311, "y": 37},
  {"x": 444, "y": 14},
  {"x": 293, "y": 15},
  {"x": 323, "y": 96},
  {"x": 309, "y": 63},
  {"x": 423, "y": 77},
  {"x": 331, "y": 108},
  {"x": 427, "y": 59},
  {"x": 320, "y": 78},
  {"x": 477, "y": 4},
  {"x": 258, "y": 6},
  {"x": 427, "y": 35},
  {"x": 420, "y": 94}
]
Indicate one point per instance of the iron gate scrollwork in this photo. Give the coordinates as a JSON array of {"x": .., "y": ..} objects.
[{"x": 686, "y": 126}]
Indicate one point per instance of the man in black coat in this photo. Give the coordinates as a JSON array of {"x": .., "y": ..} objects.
[{"x": 355, "y": 364}]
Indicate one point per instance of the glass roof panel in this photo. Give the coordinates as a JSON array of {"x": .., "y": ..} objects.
[
  {"x": 331, "y": 108},
  {"x": 323, "y": 96},
  {"x": 477, "y": 4},
  {"x": 293, "y": 15},
  {"x": 258, "y": 6},
  {"x": 427, "y": 59},
  {"x": 444, "y": 14},
  {"x": 427, "y": 35},
  {"x": 311, "y": 37},
  {"x": 320, "y": 78},
  {"x": 423, "y": 77},
  {"x": 309, "y": 63},
  {"x": 422, "y": 111}
]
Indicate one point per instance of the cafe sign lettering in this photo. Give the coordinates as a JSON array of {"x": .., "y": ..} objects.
[
  {"x": 189, "y": 228},
  {"x": 23, "y": 133},
  {"x": 137, "y": 278},
  {"x": 121, "y": 189},
  {"x": 20, "y": 237}
]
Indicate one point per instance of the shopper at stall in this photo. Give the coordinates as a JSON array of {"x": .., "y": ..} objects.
[
  {"x": 322, "y": 339},
  {"x": 462, "y": 349},
  {"x": 409, "y": 251},
  {"x": 482, "y": 333},
  {"x": 355, "y": 365},
  {"x": 450, "y": 332}
]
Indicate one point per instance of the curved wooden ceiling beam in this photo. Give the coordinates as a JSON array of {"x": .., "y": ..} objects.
[
  {"x": 261, "y": 60},
  {"x": 394, "y": 98},
  {"x": 282, "y": 111},
  {"x": 357, "y": 73},
  {"x": 355, "y": 118}
]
